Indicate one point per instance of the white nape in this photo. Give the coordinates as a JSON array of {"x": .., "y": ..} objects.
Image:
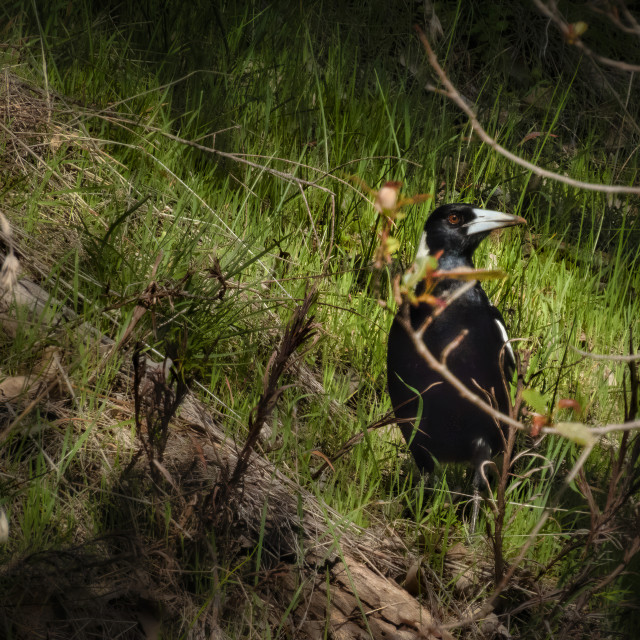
[{"x": 423, "y": 249}]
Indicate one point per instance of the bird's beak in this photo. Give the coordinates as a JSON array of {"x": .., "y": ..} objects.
[{"x": 487, "y": 220}]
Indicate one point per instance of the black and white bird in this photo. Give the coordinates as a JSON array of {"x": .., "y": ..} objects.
[{"x": 435, "y": 420}]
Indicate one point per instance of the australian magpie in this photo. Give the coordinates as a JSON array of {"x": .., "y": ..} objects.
[{"x": 435, "y": 420}]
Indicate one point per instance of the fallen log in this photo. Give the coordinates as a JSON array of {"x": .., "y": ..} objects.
[{"x": 334, "y": 581}]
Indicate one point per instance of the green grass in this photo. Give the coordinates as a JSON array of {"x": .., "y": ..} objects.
[{"x": 94, "y": 214}]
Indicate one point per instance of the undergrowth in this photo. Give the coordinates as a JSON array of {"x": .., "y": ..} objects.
[{"x": 201, "y": 257}]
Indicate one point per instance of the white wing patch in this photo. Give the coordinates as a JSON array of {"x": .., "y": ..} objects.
[
  {"x": 423, "y": 249},
  {"x": 505, "y": 337}
]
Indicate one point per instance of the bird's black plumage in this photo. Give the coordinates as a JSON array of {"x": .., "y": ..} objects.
[{"x": 450, "y": 428}]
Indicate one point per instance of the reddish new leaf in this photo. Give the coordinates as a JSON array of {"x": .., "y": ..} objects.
[{"x": 569, "y": 403}]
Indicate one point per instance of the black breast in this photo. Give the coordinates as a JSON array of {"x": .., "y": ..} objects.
[{"x": 450, "y": 428}]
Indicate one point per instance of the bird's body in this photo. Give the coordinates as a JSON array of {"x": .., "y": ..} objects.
[
  {"x": 435, "y": 420},
  {"x": 451, "y": 429}
]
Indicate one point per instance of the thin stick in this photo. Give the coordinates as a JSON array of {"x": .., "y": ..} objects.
[
  {"x": 452, "y": 93},
  {"x": 551, "y": 11},
  {"x": 487, "y": 607},
  {"x": 467, "y": 394},
  {"x": 603, "y": 356}
]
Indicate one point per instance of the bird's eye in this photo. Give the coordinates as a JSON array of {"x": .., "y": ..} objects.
[{"x": 454, "y": 218}]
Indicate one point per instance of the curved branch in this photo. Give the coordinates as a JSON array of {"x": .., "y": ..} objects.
[
  {"x": 551, "y": 11},
  {"x": 586, "y": 431},
  {"x": 452, "y": 93},
  {"x": 633, "y": 27},
  {"x": 489, "y": 604},
  {"x": 441, "y": 368}
]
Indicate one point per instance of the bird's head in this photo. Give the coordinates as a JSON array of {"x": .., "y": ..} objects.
[{"x": 456, "y": 230}]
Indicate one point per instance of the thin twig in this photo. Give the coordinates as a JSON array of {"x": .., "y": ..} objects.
[
  {"x": 551, "y": 11},
  {"x": 487, "y": 607},
  {"x": 633, "y": 27},
  {"x": 467, "y": 394},
  {"x": 603, "y": 356},
  {"x": 452, "y": 93},
  {"x": 442, "y": 369}
]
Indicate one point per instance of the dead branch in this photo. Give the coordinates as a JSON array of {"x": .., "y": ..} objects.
[
  {"x": 158, "y": 392},
  {"x": 488, "y": 605},
  {"x": 612, "y": 13},
  {"x": 441, "y": 368},
  {"x": 497, "y": 535},
  {"x": 616, "y": 498},
  {"x": 475, "y": 399},
  {"x": 624, "y": 482},
  {"x": 452, "y": 93},
  {"x": 551, "y": 11},
  {"x": 503, "y": 576},
  {"x": 601, "y": 431},
  {"x": 613, "y": 358}
]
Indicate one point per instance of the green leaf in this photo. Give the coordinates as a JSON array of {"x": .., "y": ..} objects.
[
  {"x": 535, "y": 400},
  {"x": 576, "y": 432},
  {"x": 393, "y": 244},
  {"x": 464, "y": 273},
  {"x": 419, "y": 270}
]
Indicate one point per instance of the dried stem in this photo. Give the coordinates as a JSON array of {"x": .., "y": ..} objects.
[
  {"x": 634, "y": 357},
  {"x": 497, "y": 536},
  {"x": 452, "y": 93},
  {"x": 551, "y": 11},
  {"x": 158, "y": 392},
  {"x": 441, "y": 368},
  {"x": 502, "y": 575},
  {"x": 467, "y": 394},
  {"x": 619, "y": 489},
  {"x": 488, "y": 606},
  {"x": 299, "y": 330},
  {"x": 632, "y": 25}
]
